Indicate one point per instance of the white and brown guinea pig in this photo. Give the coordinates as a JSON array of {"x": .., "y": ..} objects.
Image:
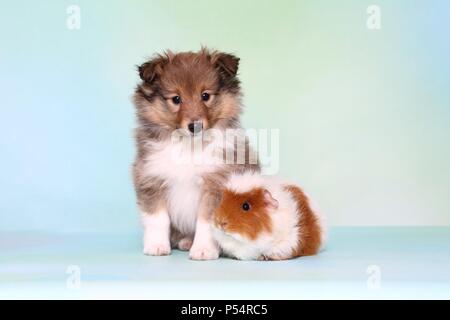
[{"x": 261, "y": 218}]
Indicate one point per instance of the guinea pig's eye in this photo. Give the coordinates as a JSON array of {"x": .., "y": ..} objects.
[
  {"x": 176, "y": 100},
  {"x": 205, "y": 96},
  {"x": 246, "y": 206}
]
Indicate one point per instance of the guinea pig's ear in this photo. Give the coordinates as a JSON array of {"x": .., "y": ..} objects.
[
  {"x": 149, "y": 70},
  {"x": 270, "y": 201}
]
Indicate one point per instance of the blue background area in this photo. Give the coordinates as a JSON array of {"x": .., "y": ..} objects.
[{"x": 364, "y": 116}]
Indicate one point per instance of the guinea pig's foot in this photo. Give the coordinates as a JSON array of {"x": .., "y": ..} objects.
[
  {"x": 185, "y": 244},
  {"x": 156, "y": 249},
  {"x": 263, "y": 258},
  {"x": 204, "y": 253}
]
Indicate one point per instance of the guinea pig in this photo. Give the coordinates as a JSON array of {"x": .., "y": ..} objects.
[{"x": 261, "y": 218}]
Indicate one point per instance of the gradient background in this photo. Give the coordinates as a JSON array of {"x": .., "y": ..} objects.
[{"x": 364, "y": 116}]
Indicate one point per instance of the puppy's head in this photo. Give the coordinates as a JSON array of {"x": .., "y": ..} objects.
[{"x": 189, "y": 90}]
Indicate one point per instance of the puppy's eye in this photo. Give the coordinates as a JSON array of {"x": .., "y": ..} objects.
[
  {"x": 246, "y": 206},
  {"x": 205, "y": 96},
  {"x": 176, "y": 100}
]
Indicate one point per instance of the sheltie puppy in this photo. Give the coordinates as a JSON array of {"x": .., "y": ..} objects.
[{"x": 186, "y": 100}]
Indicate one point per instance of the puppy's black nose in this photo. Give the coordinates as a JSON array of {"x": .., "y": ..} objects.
[{"x": 195, "y": 127}]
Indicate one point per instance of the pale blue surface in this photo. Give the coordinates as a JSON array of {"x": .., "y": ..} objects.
[{"x": 414, "y": 263}]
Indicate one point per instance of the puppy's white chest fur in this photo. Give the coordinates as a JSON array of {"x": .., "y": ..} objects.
[{"x": 182, "y": 170}]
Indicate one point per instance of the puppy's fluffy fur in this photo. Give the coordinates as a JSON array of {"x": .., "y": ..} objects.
[{"x": 176, "y": 200}]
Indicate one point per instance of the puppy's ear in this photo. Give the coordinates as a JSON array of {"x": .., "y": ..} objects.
[
  {"x": 149, "y": 70},
  {"x": 226, "y": 63}
]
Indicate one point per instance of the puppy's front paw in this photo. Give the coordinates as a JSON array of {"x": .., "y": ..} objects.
[
  {"x": 157, "y": 249},
  {"x": 204, "y": 253},
  {"x": 185, "y": 244}
]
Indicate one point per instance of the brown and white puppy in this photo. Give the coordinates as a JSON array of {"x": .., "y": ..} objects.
[{"x": 191, "y": 93}]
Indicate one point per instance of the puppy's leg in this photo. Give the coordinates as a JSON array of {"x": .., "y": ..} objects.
[
  {"x": 156, "y": 232},
  {"x": 204, "y": 246},
  {"x": 153, "y": 209}
]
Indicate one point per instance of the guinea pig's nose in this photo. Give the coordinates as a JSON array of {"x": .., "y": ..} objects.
[
  {"x": 222, "y": 224},
  {"x": 195, "y": 127}
]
